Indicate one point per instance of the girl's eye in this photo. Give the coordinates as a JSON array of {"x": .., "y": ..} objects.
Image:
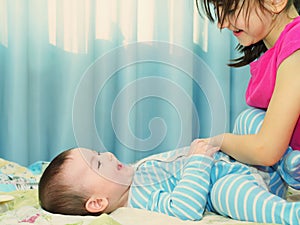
[{"x": 231, "y": 11}]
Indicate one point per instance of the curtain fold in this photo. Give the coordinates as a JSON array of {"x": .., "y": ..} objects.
[{"x": 127, "y": 76}]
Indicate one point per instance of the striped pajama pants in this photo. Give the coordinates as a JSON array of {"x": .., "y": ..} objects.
[{"x": 238, "y": 195}]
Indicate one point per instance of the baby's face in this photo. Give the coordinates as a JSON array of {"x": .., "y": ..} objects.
[
  {"x": 107, "y": 166},
  {"x": 98, "y": 172}
]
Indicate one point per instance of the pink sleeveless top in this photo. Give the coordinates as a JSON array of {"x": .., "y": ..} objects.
[{"x": 263, "y": 72}]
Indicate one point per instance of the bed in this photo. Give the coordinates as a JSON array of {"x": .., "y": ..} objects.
[{"x": 19, "y": 204}]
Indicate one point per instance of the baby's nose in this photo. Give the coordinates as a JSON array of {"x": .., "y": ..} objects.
[{"x": 110, "y": 156}]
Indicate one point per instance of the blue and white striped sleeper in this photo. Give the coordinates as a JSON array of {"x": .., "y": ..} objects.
[
  {"x": 185, "y": 187},
  {"x": 172, "y": 184}
]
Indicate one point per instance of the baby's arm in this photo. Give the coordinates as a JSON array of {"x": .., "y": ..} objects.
[{"x": 188, "y": 199}]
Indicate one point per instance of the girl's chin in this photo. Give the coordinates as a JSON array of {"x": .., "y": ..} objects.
[{"x": 244, "y": 43}]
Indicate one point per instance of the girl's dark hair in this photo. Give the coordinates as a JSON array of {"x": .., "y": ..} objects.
[
  {"x": 249, "y": 53},
  {"x": 57, "y": 196}
]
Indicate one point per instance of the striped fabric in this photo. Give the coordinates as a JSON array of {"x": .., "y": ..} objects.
[
  {"x": 178, "y": 188},
  {"x": 249, "y": 122},
  {"x": 241, "y": 198},
  {"x": 185, "y": 187}
]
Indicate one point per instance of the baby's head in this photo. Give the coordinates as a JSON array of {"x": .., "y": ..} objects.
[{"x": 80, "y": 181}]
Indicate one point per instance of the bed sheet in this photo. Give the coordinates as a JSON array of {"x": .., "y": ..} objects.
[{"x": 21, "y": 183}]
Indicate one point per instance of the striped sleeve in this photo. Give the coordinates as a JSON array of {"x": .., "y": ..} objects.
[{"x": 188, "y": 199}]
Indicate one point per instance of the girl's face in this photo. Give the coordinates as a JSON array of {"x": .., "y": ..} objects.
[{"x": 249, "y": 22}]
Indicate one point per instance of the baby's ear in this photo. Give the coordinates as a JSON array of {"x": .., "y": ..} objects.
[{"x": 96, "y": 204}]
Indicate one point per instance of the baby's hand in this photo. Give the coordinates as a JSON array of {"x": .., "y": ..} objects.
[{"x": 199, "y": 146}]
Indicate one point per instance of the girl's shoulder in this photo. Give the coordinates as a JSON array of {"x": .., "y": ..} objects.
[
  {"x": 289, "y": 41},
  {"x": 291, "y": 32}
]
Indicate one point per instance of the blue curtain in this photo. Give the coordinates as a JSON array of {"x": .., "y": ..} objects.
[{"x": 128, "y": 76}]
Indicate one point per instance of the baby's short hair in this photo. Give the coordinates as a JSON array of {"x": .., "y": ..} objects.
[{"x": 58, "y": 196}]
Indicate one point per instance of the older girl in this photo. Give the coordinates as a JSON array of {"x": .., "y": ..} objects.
[{"x": 268, "y": 32}]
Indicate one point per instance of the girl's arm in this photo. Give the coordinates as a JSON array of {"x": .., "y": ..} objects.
[{"x": 270, "y": 143}]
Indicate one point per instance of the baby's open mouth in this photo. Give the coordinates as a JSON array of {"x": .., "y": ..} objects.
[{"x": 120, "y": 166}]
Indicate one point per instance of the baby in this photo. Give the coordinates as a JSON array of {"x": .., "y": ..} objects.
[
  {"x": 81, "y": 181},
  {"x": 181, "y": 183}
]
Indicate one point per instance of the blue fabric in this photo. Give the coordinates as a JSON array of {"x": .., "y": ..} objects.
[
  {"x": 165, "y": 182},
  {"x": 184, "y": 187},
  {"x": 7, "y": 187},
  {"x": 291, "y": 167},
  {"x": 249, "y": 122},
  {"x": 173, "y": 184},
  {"x": 239, "y": 197},
  {"x": 38, "y": 167},
  {"x": 134, "y": 103},
  {"x": 292, "y": 164}
]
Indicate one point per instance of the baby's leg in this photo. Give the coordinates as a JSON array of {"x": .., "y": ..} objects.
[
  {"x": 249, "y": 122},
  {"x": 289, "y": 168},
  {"x": 240, "y": 197},
  {"x": 292, "y": 164}
]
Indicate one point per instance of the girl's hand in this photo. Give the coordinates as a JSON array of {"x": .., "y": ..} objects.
[{"x": 201, "y": 146}]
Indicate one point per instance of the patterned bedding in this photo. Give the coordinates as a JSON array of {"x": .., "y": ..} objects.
[{"x": 20, "y": 184}]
